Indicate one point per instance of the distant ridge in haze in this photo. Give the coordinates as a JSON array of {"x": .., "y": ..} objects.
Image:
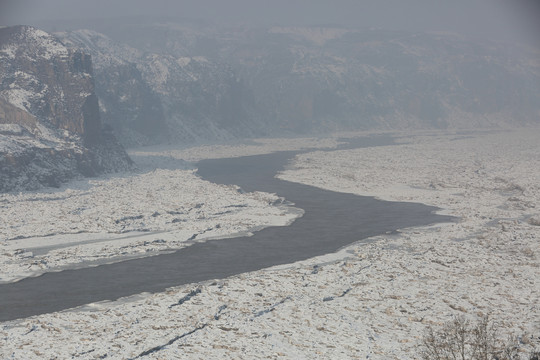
[{"x": 207, "y": 82}]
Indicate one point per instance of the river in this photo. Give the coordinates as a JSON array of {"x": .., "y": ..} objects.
[{"x": 331, "y": 221}]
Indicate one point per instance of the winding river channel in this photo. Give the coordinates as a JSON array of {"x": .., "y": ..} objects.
[{"x": 331, "y": 221}]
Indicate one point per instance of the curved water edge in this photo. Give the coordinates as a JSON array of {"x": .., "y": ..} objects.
[{"x": 331, "y": 221}]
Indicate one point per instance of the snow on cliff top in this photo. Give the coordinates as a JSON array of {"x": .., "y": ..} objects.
[{"x": 39, "y": 44}]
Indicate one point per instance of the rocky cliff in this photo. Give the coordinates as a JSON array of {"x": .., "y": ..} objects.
[
  {"x": 150, "y": 97},
  {"x": 50, "y": 128},
  {"x": 126, "y": 100}
]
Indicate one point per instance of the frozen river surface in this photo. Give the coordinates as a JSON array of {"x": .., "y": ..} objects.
[{"x": 331, "y": 221}]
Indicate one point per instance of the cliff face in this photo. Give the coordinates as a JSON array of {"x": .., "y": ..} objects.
[
  {"x": 126, "y": 101},
  {"x": 150, "y": 97},
  {"x": 50, "y": 129},
  {"x": 50, "y": 81}
]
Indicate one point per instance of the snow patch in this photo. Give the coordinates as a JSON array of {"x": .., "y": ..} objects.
[
  {"x": 48, "y": 46},
  {"x": 11, "y": 129},
  {"x": 21, "y": 98}
]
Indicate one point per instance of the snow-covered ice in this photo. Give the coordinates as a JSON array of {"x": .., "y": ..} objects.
[{"x": 370, "y": 300}]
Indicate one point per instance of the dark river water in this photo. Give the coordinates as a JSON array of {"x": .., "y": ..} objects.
[{"x": 331, "y": 220}]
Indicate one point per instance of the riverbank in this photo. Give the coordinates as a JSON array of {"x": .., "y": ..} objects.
[
  {"x": 327, "y": 221},
  {"x": 162, "y": 207},
  {"x": 369, "y": 300}
]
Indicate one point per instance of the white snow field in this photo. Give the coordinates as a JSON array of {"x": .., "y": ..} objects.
[{"x": 371, "y": 300}]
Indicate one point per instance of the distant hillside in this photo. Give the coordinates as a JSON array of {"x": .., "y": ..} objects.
[
  {"x": 50, "y": 128},
  {"x": 181, "y": 82},
  {"x": 185, "y": 81}
]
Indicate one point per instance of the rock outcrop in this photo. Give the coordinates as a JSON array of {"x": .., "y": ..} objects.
[{"x": 50, "y": 128}]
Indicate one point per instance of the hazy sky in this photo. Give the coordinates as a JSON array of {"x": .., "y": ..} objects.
[{"x": 504, "y": 19}]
